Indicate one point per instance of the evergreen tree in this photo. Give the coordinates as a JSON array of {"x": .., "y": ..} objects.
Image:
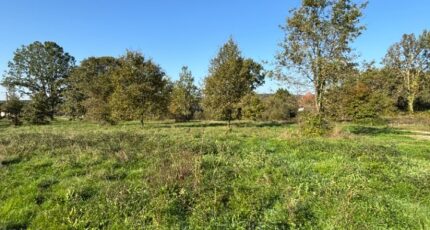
[
  {"x": 230, "y": 78},
  {"x": 36, "y": 112},
  {"x": 185, "y": 97},
  {"x": 13, "y": 108}
]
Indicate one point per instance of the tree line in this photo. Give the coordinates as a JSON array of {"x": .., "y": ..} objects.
[{"x": 316, "y": 52}]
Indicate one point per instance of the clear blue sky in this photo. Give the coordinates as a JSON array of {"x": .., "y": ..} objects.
[{"x": 187, "y": 32}]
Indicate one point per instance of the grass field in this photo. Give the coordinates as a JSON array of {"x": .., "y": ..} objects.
[{"x": 199, "y": 175}]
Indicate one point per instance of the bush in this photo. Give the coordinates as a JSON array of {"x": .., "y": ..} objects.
[
  {"x": 366, "y": 96},
  {"x": 13, "y": 108},
  {"x": 251, "y": 107},
  {"x": 314, "y": 124},
  {"x": 36, "y": 112},
  {"x": 98, "y": 111},
  {"x": 280, "y": 106}
]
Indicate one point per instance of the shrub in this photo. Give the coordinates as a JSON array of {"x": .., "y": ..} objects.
[
  {"x": 251, "y": 107},
  {"x": 13, "y": 107},
  {"x": 184, "y": 98},
  {"x": 314, "y": 124},
  {"x": 36, "y": 112},
  {"x": 280, "y": 106}
]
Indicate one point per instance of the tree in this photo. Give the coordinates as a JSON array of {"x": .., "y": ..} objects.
[
  {"x": 363, "y": 96},
  {"x": 185, "y": 97},
  {"x": 251, "y": 107},
  {"x": 230, "y": 78},
  {"x": 13, "y": 108},
  {"x": 36, "y": 112},
  {"x": 280, "y": 106},
  {"x": 141, "y": 88},
  {"x": 40, "y": 69},
  {"x": 90, "y": 87},
  {"x": 317, "y": 42},
  {"x": 73, "y": 101},
  {"x": 409, "y": 58},
  {"x": 422, "y": 102}
]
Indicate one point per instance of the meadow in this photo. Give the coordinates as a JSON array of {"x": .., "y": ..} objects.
[{"x": 200, "y": 175}]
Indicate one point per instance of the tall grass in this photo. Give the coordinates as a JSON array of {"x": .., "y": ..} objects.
[{"x": 200, "y": 175}]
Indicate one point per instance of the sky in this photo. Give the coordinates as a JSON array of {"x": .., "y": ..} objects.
[{"x": 186, "y": 32}]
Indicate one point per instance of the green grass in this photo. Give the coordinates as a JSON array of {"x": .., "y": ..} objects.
[{"x": 199, "y": 175}]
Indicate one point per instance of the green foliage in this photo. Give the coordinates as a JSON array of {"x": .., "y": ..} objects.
[
  {"x": 141, "y": 89},
  {"x": 230, "y": 78},
  {"x": 13, "y": 108},
  {"x": 40, "y": 70},
  {"x": 73, "y": 105},
  {"x": 280, "y": 106},
  {"x": 365, "y": 96},
  {"x": 251, "y": 107},
  {"x": 193, "y": 175},
  {"x": 410, "y": 60},
  {"x": 314, "y": 124},
  {"x": 317, "y": 42},
  {"x": 184, "y": 100},
  {"x": 36, "y": 111},
  {"x": 422, "y": 102},
  {"x": 90, "y": 87}
]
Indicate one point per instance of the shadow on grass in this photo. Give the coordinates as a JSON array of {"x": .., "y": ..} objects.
[
  {"x": 374, "y": 131},
  {"x": 11, "y": 161},
  {"x": 202, "y": 124}
]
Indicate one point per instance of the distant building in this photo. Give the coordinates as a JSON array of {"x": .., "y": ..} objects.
[{"x": 306, "y": 102}]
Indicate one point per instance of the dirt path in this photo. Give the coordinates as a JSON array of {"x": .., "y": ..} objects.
[{"x": 420, "y": 135}]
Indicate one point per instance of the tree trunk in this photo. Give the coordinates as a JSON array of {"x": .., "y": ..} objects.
[
  {"x": 51, "y": 115},
  {"x": 15, "y": 120},
  {"x": 318, "y": 98},
  {"x": 411, "y": 96},
  {"x": 317, "y": 103},
  {"x": 141, "y": 120},
  {"x": 318, "y": 85},
  {"x": 411, "y": 99}
]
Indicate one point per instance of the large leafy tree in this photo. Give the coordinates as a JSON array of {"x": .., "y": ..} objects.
[
  {"x": 140, "y": 88},
  {"x": 231, "y": 77},
  {"x": 40, "y": 69},
  {"x": 316, "y": 48},
  {"x": 185, "y": 97},
  {"x": 90, "y": 87},
  {"x": 409, "y": 58}
]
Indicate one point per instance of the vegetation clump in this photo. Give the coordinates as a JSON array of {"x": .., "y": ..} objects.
[{"x": 314, "y": 124}]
